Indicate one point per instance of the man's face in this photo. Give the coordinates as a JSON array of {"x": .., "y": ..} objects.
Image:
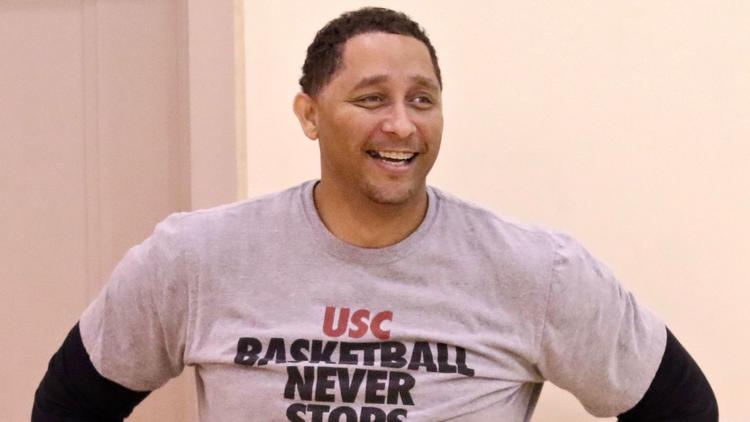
[{"x": 380, "y": 119}]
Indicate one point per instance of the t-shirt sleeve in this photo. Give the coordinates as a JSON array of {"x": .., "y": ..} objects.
[
  {"x": 598, "y": 342},
  {"x": 135, "y": 330}
]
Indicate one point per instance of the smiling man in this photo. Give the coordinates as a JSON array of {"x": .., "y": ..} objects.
[
  {"x": 367, "y": 295},
  {"x": 379, "y": 122}
]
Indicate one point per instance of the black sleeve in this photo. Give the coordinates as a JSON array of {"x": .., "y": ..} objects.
[
  {"x": 73, "y": 391},
  {"x": 678, "y": 392}
]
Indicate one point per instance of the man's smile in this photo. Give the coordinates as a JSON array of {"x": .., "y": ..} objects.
[{"x": 393, "y": 157}]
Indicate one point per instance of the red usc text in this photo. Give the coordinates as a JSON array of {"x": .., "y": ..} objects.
[{"x": 358, "y": 325}]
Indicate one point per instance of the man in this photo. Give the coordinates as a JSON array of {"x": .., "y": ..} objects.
[{"x": 368, "y": 296}]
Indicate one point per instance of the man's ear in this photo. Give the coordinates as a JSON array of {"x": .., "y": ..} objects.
[{"x": 307, "y": 112}]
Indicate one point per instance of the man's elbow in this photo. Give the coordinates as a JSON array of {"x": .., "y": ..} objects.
[
  {"x": 72, "y": 389},
  {"x": 678, "y": 392}
]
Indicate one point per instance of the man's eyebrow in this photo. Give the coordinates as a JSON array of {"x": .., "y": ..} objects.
[
  {"x": 425, "y": 82},
  {"x": 370, "y": 81},
  {"x": 379, "y": 79}
]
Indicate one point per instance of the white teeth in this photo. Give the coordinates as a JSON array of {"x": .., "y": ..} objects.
[{"x": 394, "y": 155}]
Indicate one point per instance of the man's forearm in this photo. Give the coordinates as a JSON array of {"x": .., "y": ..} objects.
[
  {"x": 73, "y": 390},
  {"x": 679, "y": 391}
]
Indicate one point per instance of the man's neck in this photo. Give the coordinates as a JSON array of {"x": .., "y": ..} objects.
[{"x": 365, "y": 223}]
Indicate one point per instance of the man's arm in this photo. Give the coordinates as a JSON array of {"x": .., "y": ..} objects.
[
  {"x": 678, "y": 392},
  {"x": 73, "y": 390}
]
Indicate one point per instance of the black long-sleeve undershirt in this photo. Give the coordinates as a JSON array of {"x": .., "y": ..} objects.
[
  {"x": 73, "y": 391},
  {"x": 678, "y": 392}
]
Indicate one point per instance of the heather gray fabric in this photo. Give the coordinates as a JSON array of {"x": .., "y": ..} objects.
[{"x": 464, "y": 319}]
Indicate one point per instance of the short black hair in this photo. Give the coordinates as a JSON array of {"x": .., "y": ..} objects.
[{"x": 324, "y": 54}]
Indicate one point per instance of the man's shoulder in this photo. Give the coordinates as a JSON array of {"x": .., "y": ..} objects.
[
  {"x": 481, "y": 221},
  {"x": 255, "y": 213},
  {"x": 268, "y": 202}
]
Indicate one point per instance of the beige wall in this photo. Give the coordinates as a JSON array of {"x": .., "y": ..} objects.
[
  {"x": 624, "y": 123},
  {"x": 112, "y": 115}
]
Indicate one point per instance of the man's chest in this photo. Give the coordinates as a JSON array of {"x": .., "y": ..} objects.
[{"x": 361, "y": 344}]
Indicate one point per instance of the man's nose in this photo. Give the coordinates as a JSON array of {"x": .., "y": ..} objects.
[{"x": 399, "y": 122}]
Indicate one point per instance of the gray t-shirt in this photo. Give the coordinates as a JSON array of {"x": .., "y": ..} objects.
[{"x": 464, "y": 319}]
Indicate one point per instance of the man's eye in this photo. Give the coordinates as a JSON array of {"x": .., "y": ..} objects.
[
  {"x": 370, "y": 100},
  {"x": 422, "y": 101}
]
